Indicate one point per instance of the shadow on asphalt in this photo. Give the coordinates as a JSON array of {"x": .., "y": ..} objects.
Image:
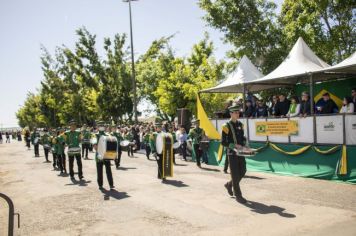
[
  {"x": 79, "y": 182},
  {"x": 253, "y": 177},
  {"x": 209, "y": 169},
  {"x": 180, "y": 164},
  {"x": 175, "y": 183},
  {"x": 126, "y": 168},
  {"x": 264, "y": 209},
  {"x": 113, "y": 193}
]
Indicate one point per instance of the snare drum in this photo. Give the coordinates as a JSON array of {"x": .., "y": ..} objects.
[
  {"x": 176, "y": 145},
  {"x": 124, "y": 143},
  {"x": 74, "y": 151}
]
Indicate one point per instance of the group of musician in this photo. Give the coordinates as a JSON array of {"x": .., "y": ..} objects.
[{"x": 159, "y": 140}]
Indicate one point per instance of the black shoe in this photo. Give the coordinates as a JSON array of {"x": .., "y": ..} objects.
[
  {"x": 225, "y": 171},
  {"x": 229, "y": 189},
  {"x": 81, "y": 177},
  {"x": 112, "y": 187},
  {"x": 72, "y": 178},
  {"x": 101, "y": 188},
  {"x": 241, "y": 199},
  {"x": 163, "y": 180}
]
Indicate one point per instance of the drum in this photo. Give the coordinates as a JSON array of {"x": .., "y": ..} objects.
[
  {"x": 124, "y": 143},
  {"x": 74, "y": 151},
  {"x": 246, "y": 152},
  {"x": 86, "y": 141},
  {"x": 176, "y": 145},
  {"x": 46, "y": 146},
  {"x": 204, "y": 145},
  {"x": 107, "y": 148},
  {"x": 35, "y": 141},
  {"x": 93, "y": 140},
  {"x": 159, "y": 143}
]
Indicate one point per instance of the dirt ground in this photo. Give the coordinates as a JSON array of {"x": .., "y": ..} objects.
[{"x": 194, "y": 202}]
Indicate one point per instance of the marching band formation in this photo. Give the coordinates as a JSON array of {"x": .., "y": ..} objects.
[{"x": 108, "y": 142}]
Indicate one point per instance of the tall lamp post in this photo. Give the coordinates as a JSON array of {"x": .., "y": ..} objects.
[{"x": 133, "y": 63}]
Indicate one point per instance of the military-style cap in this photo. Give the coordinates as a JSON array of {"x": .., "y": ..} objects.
[
  {"x": 72, "y": 122},
  {"x": 195, "y": 121},
  {"x": 234, "y": 107}
]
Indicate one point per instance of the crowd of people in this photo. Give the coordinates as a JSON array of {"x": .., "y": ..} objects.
[
  {"x": 10, "y": 135},
  {"x": 73, "y": 144},
  {"x": 281, "y": 106}
]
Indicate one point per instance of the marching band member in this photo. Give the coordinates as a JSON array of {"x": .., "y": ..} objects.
[
  {"x": 72, "y": 139},
  {"x": 233, "y": 139},
  {"x": 129, "y": 136},
  {"x": 86, "y": 134},
  {"x": 171, "y": 131},
  {"x": 162, "y": 153},
  {"x": 100, "y": 163},
  {"x": 46, "y": 143},
  {"x": 54, "y": 148},
  {"x": 35, "y": 138},
  {"x": 28, "y": 139},
  {"x": 196, "y": 135},
  {"x": 116, "y": 133},
  {"x": 146, "y": 140},
  {"x": 60, "y": 146}
]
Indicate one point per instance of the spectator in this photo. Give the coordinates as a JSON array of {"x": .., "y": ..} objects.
[
  {"x": 282, "y": 106},
  {"x": 272, "y": 109},
  {"x": 329, "y": 106},
  {"x": 226, "y": 111},
  {"x": 0, "y": 137},
  {"x": 305, "y": 105},
  {"x": 347, "y": 105},
  {"x": 249, "y": 110},
  {"x": 294, "y": 108},
  {"x": 7, "y": 134},
  {"x": 182, "y": 139},
  {"x": 261, "y": 109},
  {"x": 353, "y": 94}
]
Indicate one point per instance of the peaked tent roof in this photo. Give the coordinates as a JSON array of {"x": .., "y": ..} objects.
[
  {"x": 300, "y": 61},
  {"x": 347, "y": 66},
  {"x": 245, "y": 72}
]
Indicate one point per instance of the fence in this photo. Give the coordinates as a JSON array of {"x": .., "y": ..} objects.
[{"x": 317, "y": 129}]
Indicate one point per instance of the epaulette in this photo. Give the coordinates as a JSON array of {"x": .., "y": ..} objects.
[{"x": 225, "y": 128}]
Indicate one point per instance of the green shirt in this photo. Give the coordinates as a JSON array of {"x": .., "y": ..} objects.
[
  {"x": 46, "y": 139},
  {"x": 60, "y": 144},
  {"x": 86, "y": 136},
  {"x": 72, "y": 138},
  {"x": 118, "y": 136},
  {"x": 196, "y": 134},
  {"x": 35, "y": 135}
]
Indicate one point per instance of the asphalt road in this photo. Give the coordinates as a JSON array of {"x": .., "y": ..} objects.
[{"x": 193, "y": 202}]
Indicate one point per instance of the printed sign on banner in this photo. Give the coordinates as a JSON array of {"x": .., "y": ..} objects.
[
  {"x": 305, "y": 134},
  {"x": 350, "y": 127},
  {"x": 278, "y": 138},
  {"x": 253, "y": 132},
  {"x": 329, "y": 129},
  {"x": 280, "y": 128}
]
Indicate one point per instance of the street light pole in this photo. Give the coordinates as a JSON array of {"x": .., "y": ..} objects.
[{"x": 133, "y": 63}]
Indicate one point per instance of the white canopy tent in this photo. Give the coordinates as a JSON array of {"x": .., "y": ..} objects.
[
  {"x": 346, "y": 66},
  {"x": 300, "y": 62},
  {"x": 244, "y": 73}
]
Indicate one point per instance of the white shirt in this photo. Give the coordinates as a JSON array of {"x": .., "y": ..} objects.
[{"x": 347, "y": 108}]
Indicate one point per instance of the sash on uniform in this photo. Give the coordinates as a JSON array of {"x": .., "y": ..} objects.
[{"x": 167, "y": 159}]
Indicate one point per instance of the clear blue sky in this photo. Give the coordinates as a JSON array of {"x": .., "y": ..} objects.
[{"x": 25, "y": 25}]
